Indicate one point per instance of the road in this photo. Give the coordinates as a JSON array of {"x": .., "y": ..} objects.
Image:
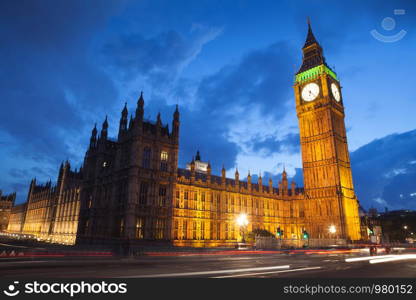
[{"x": 213, "y": 264}]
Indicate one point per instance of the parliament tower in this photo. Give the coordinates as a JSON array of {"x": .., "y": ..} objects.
[{"x": 332, "y": 206}]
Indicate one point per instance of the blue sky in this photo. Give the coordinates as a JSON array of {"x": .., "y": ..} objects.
[{"x": 228, "y": 64}]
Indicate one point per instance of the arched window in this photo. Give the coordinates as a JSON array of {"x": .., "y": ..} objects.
[
  {"x": 143, "y": 193},
  {"x": 147, "y": 153},
  {"x": 164, "y": 161}
]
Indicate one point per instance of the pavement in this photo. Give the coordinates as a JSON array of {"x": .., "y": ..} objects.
[{"x": 302, "y": 263}]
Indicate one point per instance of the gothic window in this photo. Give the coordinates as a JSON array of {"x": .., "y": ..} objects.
[
  {"x": 301, "y": 210},
  {"x": 177, "y": 198},
  {"x": 121, "y": 227},
  {"x": 144, "y": 186},
  {"x": 185, "y": 229},
  {"x": 164, "y": 161},
  {"x": 147, "y": 153},
  {"x": 139, "y": 228},
  {"x": 162, "y": 195},
  {"x": 204, "y": 205},
  {"x": 160, "y": 226},
  {"x": 176, "y": 227},
  {"x": 90, "y": 201},
  {"x": 194, "y": 230},
  {"x": 202, "y": 236}
]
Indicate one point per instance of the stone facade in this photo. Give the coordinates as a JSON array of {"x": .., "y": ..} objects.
[
  {"x": 205, "y": 207},
  {"x": 51, "y": 211},
  {"x": 6, "y": 204},
  {"x": 17, "y": 218},
  {"x": 129, "y": 183}
]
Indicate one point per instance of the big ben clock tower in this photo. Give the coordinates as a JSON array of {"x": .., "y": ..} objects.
[{"x": 330, "y": 201}]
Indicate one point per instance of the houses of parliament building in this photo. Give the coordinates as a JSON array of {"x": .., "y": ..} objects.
[{"x": 130, "y": 190}]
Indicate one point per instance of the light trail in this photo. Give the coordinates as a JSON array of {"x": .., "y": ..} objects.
[
  {"x": 208, "y": 272},
  {"x": 394, "y": 258},
  {"x": 354, "y": 259},
  {"x": 265, "y": 273}
]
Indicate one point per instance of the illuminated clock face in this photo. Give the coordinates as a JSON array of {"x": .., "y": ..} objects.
[
  {"x": 310, "y": 91},
  {"x": 335, "y": 92}
]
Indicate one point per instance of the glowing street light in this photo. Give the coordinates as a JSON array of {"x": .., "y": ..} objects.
[
  {"x": 242, "y": 222},
  {"x": 332, "y": 229},
  {"x": 405, "y": 227}
]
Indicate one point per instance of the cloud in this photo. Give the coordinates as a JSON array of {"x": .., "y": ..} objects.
[
  {"x": 289, "y": 143},
  {"x": 394, "y": 173},
  {"x": 255, "y": 87},
  {"x": 382, "y": 170},
  {"x": 49, "y": 85},
  {"x": 160, "y": 59},
  {"x": 262, "y": 78}
]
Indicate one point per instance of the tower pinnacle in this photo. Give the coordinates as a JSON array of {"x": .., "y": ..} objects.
[
  {"x": 310, "y": 38},
  {"x": 312, "y": 52}
]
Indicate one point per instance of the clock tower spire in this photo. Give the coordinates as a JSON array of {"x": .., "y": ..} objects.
[{"x": 329, "y": 190}]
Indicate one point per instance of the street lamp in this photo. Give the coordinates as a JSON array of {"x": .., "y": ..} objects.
[
  {"x": 405, "y": 231},
  {"x": 332, "y": 230},
  {"x": 242, "y": 222}
]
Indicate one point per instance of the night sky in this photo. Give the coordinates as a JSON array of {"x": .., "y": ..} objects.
[{"x": 229, "y": 65}]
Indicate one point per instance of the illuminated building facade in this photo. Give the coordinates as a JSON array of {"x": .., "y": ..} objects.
[
  {"x": 205, "y": 207},
  {"x": 130, "y": 190},
  {"x": 17, "y": 218},
  {"x": 51, "y": 212},
  {"x": 6, "y": 204}
]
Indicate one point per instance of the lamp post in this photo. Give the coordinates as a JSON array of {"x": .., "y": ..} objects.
[
  {"x": 332, "y": 230},
  {"x": 242, "y": 222},
  {"x": 405, "y": 232}
]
